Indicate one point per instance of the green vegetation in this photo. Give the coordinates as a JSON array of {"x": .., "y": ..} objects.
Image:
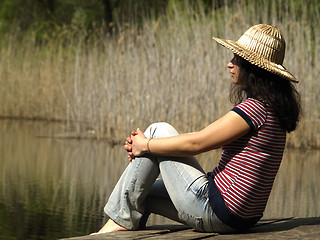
[{"x": 155, "y": 63}]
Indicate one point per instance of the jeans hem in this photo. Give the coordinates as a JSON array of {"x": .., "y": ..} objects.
[{"x": 121, "y": 222}]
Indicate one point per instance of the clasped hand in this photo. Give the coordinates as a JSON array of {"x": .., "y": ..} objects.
[{"x": 136, "y": 144}]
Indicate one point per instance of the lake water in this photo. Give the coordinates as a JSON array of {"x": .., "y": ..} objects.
[{"x": 52, "y": 188}]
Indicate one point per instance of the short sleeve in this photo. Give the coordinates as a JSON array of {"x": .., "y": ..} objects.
[{"x": 253, "y": 112}]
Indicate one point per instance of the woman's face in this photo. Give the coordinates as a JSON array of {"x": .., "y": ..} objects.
[{"x": 234, "y": 69}]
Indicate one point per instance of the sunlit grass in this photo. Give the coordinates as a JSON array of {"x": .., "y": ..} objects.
[{"x": 168, "y": 69}]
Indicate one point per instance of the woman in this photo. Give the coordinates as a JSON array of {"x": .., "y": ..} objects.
[{"x": 252, "y": 135}]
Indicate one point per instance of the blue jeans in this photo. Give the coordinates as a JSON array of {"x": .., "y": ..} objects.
[{"x": 181, "y": 194}]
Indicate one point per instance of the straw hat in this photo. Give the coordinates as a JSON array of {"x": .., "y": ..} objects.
[{"x": 261, "y": 45}]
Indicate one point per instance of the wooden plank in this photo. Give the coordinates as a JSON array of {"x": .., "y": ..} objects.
[
  {"x": 286, "y": 228},
  {"x": 149, "y": 232}
]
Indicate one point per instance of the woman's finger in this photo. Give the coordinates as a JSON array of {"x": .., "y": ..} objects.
[
  {"x": 134, "y": 133},
  {"x": 130, "y": 156},
  {"x": 129, "y": 140},
  {"x": 127, "y": 148}
]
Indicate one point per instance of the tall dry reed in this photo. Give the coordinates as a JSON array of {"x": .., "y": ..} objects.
[{"x": 168, "y": 69}]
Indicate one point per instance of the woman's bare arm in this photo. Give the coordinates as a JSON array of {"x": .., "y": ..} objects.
[{"x": 225, "y": 130}]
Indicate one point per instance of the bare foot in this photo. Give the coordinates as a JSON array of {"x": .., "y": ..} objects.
[{"x": 110, "y": 226}]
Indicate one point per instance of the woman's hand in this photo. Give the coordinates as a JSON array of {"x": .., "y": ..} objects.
[
  {"x": 128, "y": 146},
  {"x": 136, "y": 144}
]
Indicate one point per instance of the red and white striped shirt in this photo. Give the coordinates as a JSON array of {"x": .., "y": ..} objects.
[{"x": 248, "y": 166}]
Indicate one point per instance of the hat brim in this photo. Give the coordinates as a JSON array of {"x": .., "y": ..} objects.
[{"x": 256, "y": 59}]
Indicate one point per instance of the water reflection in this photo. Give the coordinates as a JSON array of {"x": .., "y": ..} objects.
[{"x": 53, "y": 188}]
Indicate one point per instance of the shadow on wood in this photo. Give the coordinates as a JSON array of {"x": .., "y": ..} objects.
[{"x": 288, "y": 228}]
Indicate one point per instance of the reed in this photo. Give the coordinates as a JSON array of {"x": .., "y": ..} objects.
[{"x": 166, "y": 69}]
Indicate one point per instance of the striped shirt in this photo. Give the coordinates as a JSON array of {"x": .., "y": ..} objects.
[{"x": 248, "y": 166}]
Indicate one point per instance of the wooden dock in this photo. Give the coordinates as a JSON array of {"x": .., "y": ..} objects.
[{"x": 288, "y": 228}]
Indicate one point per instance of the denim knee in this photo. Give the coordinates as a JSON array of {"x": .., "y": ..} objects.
[{"x": 160, "y": 130}]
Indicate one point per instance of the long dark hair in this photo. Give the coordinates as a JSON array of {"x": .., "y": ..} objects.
[{"x": 279, "y": 93}]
